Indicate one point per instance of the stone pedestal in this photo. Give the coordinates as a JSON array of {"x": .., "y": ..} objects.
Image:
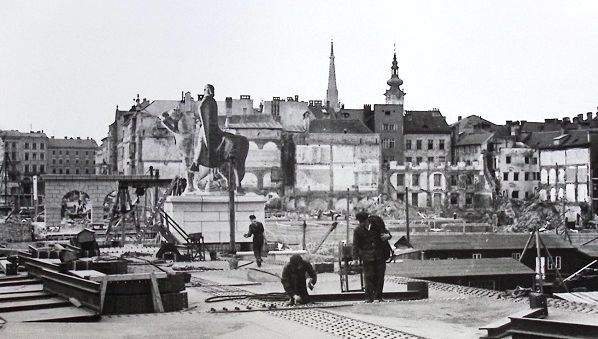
[{"x": 208, "y": 214}]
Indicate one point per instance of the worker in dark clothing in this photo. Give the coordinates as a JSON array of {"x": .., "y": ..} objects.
[
  {"x": 293, "y": 279},
  {"x": 256, "y": 229},
  {"x": 368, "y": 238}
]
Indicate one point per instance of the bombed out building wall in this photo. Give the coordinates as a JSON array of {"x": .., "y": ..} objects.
[
  {"x": 439, "y": 186},
  {"x": 329, "y": 164}
]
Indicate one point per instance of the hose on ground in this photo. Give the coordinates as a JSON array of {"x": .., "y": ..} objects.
[{"x": 264, "y": 297}]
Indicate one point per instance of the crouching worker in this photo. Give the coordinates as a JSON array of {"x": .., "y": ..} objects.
[{"x": 293, "y": 280}]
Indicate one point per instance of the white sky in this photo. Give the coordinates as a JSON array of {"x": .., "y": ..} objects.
[{"x": 65, "y": 65}]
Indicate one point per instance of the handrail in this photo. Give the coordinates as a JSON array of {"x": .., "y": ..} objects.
[{"x": 176, "y": 226}]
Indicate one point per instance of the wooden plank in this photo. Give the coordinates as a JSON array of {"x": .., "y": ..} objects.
[
  {"x": 88, "y": 274},
  {"x": 13, "y": 277},
  {"x": 23, "y": 281},
  {"x": 156, "y": 297},
  {"x": 129, "y": 276},
  {"x": 24, "y": 296},
  {"x": 51, "y": 314},
  {"x": 103, "y": 289},
  {"x": 21, "y": 289},
  {"x": 34, "y": 304}
]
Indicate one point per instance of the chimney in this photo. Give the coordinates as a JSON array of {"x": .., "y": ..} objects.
[
  {"x": 589, "y": 115},
  {"x": 459, "y": 118},
  {"x": 229, "y": 106},
  {"x": 296, "y": 98}
]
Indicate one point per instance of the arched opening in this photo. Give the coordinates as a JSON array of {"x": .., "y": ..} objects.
[
  {"x": 75, "y": 208},
  {"x": 249, "y": 181}
]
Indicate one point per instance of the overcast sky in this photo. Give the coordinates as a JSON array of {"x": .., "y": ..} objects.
[{"x": 65, "y": 65}]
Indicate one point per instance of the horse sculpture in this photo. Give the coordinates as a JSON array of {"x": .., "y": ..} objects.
[{"x": 205, "y": 148}]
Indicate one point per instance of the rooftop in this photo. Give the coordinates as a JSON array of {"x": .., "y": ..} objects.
[
  {"x": 457, "y": 268},
  {"x": 474, "y": 139},
  {"x": 338, "y": 126},
  {"x": 482, "y": 241},
  {"x": 72, "y": 143},
  {"x": 425, "y": 122},
  {"x": 557, "y": 140}
]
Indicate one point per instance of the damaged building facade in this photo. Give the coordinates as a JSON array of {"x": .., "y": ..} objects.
[{"x": 331, "y": 157}]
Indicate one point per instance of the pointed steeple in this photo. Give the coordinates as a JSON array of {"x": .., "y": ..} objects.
[
  {"x": 332, "y": 92},
  {"x": 394, "y": 95}
]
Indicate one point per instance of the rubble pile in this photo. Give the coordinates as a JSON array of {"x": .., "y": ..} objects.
[
  {"x": 389, "y": 208},
  {"x": 523, "y": 216},
  {"x": 13, "y": 229}
]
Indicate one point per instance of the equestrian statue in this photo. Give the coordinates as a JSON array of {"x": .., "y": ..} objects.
[{"x": 207, "y": 151}]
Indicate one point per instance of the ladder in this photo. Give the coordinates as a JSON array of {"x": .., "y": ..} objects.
[
  {"x": 158, "y": 206},
  {"x": 160, "y": 227}
]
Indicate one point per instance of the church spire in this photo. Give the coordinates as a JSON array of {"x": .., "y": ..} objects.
[
  {"x": 394, "y": 95},
  {"x": 332, "y": 92}
]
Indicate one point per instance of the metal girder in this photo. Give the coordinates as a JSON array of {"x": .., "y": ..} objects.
[
  {"x": 543, "y": 328},
  {"x": 354, "y": 296}
]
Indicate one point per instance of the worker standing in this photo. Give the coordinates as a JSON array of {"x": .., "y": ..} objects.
[
  {"x": 293, "y": 279},
  {"x": 368, "y": 245},
  {"x": 256, "y": 229}
]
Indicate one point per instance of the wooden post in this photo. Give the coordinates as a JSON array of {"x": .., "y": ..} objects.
[
  {"x": 103, "y": 288},
  {"x": 231, "y": 205},
  {"x": 407, "y": 212},
  {"x": 539, "y": 261},
  {"x": 303, "y": 245},
  {"x": 156, "y": 297},
  {"x": 348, "y": 213}
]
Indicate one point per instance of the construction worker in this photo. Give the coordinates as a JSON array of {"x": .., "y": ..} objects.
[
  {"x": 368, "y": 238},
  {"x": 256, "y": 229},
  {"x": 293, "y": 279}
]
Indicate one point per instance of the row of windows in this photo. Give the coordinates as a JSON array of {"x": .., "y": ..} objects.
[
  {"x": 67, "y": 171},
  {"x": 67, "y": 161},
  {"x": 388, "y": 143},
  {"x": 515, "y": 194},
  {"x": 418, "y": 144},
  {"x": 42, "y": 169},
  {"x": 454, "y": 199},
  {"x": 42, "y": 156},
  {"x": 527, "y": 176},
  {"x": 33, "y": 145},
  {"x": 534, "y": 160},
  {"x": 418, "y": 160},
  {"x": 389, "y": 127},
  {"x": 415, "y": 179},
  {"x": 67, "y": 152}
]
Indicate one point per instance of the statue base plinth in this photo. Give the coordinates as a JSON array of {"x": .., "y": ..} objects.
[{"x": 208, "y": 214}]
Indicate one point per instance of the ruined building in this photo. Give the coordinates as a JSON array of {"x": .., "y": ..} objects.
[{"x": 331, "y": 157}]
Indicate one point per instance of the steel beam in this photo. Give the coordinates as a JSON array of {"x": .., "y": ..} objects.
[
  {"x": 543, "y": 328},
  {"x": 355, "y": 296}
]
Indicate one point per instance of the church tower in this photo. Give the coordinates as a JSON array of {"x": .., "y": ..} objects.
[
  {"x": 394, "y": 95},
  {"x": 332, "y": 103}
]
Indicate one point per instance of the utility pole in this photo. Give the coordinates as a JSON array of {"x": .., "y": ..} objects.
[
  {"x": 34, "y": 198},
  {"x": 539, "y": 261},
  {"x": 407, "y": 213},
  {"x": 348, "y": 213},
  {"x": 231, "y": 204}
]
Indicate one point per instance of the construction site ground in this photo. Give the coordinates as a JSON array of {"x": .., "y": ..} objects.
[{"x": 450, "y": 311}]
